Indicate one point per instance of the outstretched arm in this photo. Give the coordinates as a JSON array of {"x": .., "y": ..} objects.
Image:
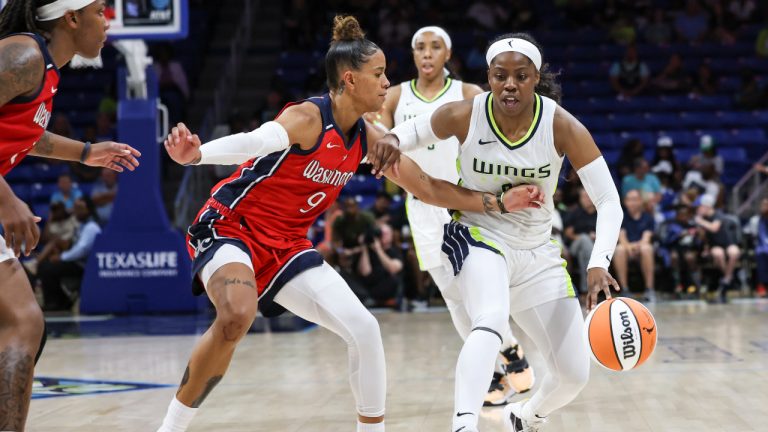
[
  {"x": 451, "y": 119},
  {"x": 445, "y": 194},
  {"x": 108, "y": 154},
  {"x": 298, "y": 124}
]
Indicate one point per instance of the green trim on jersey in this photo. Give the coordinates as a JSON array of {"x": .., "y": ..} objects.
[
  {"x": 537, "y": 111},
  {"x": 569, "y": 283},
  {"x": 475, "y": 233},
  {"x": 422, "y": 98},
  {"x": 415, "y": 247}
]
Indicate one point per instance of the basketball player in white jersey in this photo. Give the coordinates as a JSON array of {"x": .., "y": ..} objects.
[
  {"x": 433, "y": 88},
  {"x": 506, "y": 263}
]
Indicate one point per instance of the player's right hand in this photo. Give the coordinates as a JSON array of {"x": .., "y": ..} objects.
[
  {"x": 20, "y": 225},
  {"x": 383, "y": 154},
  {"x": 182, "y": 145}
]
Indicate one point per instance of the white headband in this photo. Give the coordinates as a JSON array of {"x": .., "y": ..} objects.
[
  {"x": 434, "y": 29},
  {"x": 514, "y": 45},
  {"x": 58, "y": 8}
]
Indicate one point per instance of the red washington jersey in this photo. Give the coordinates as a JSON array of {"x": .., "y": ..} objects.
[
  {"x": 280, "y": 195},
  {"x": 23, "y": 119}
]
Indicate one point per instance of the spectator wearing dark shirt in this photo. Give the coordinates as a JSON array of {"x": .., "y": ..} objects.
[
  {"x": 761, "y": 249},
  {"x": 635, "y": 243},
  {"x": 71, "y": 262},
  {"x": 722, "y": 243},
  {"x": 629, "y": 76},
  {"x": 580, "y": 225},
  {"x": 352, "y": 223},
  {"x": 680, "y": 238},
  {"x": 380, "y": 265}
]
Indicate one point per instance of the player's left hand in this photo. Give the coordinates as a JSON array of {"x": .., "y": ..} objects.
[
  {"x": 383, "y": 154},
  {"x": 114, "y": 156},
  {"x": 598, "y": 279},
  {"x": 522, "y": 197}
]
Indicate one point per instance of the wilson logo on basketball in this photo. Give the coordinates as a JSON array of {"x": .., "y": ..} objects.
[{"x": 627, "y": 338}]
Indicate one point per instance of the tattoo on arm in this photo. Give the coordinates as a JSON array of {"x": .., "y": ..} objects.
[
  {"x": 184, "y": 380},
  {"x": 44, "y": 145},
  {"x": 488, "y": 200},
  {"x": 21, "y": 70}
]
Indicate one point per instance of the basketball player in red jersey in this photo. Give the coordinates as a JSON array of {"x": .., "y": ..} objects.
[
  {"x": 37, "y": 37},
  {"x": 249, "y": 242}
]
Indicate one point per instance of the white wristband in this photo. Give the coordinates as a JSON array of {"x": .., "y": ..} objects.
[
  {"x": 598, "y": 182},
  {"x": 238, "y": 148},
  {"x": 415, "y": 133}
]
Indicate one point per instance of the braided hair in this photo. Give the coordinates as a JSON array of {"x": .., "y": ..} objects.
[{"x": 20, "y": 16}]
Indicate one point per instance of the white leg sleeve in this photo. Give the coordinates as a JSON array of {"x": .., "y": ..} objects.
[
  {"x": 321, "y": 296},
  {"x": 484, "y": 287},
  {"x": 446, "y": 282},
  {"x": 557, "y": 329}
]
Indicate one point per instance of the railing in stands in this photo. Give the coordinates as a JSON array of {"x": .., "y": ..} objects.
[
  {"x": 194, "y": 186},
  {"x": 746, "y": 194}
]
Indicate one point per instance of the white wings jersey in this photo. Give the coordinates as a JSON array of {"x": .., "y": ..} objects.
[
  {"x": 490, "y": 162},
  {"x": 438, "y": 160}
]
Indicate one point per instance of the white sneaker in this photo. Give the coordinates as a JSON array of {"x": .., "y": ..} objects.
[{"x": 513, "y": 421}]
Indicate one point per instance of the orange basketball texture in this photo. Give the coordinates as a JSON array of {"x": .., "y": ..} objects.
[{"x": 621, "y": 334}]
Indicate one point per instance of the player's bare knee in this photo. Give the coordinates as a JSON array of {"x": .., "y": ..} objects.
[{"x": 233, "y": 321}]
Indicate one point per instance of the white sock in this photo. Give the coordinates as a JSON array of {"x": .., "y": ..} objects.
[
  {"x": 474, "y": 371},
  {"x": 178, "y": 417},
  {"x": 370, "y": 427}
]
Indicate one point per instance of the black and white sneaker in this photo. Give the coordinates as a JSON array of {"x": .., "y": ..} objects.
[{"x": 513, "y": 420}]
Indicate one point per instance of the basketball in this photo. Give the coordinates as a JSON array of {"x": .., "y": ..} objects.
[{"x": 621, "y": 334}]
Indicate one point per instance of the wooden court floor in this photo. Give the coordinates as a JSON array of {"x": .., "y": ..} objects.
[{"x": 709, "y": 373}]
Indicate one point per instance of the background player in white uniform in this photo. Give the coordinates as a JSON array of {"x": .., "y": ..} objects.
[
  {"x": 506, "y": 263},
  {"x": 431, "y": 89}
]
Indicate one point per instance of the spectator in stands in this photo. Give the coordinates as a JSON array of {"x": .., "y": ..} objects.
[
  {"x": 105, "y": 128},
  {"x": 487, "y": 14},
  {"x": 108, "y": 103},
  {"x": 56, "y": 235},
  {"x": 658, "y": 31},
  {"x": 673, "y": 79},
  {"x": 708, "y": 155},
  {"x": 67, "y": 193},
  {"x": 760, "y": 234},
  {"x": 298, "y": 29},
  {"x": 62, "y": 126},
  {"x": 721, "y": 240},
  {"x": 630, "y": 76},
  {"x": 172, "y": 82},
  {"x": 623, "y": 31},
  {"x": 680, "y": 238},
  {"x": 524, "y": 16},
  {"x": 275, "y": 102},
  {"x": 750, "y": 95},
  {"x": 760, "y": 168},
  {"x": 352, "y": 224},
  {"x": 381, "y": 208},
  {"x": 742, "y": 11},
  {"x": 580, "y": 224},
  {"x": 705, "y": 83},
  {"x": 631, "y": 150},
  {"x": 70, "y": 263},
  {"x": 380, "y": 265},
  {"x": 635, "y": 243},
  {"x": 395, "y": 29},
  {"x": 692, "y": 24},
  {"x": 644, "y": 181},
  {"x": 761, "y": 44},
  {"x": 103, "y": 195},
  {"x": 664, "y": 161}
]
